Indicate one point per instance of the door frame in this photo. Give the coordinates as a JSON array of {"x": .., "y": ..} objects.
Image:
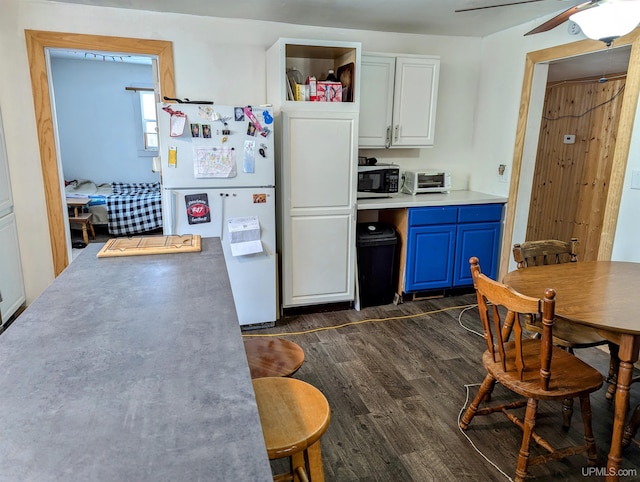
[
  {"x": 621, "y": 151},
  {"x": 37, "y": 43}
]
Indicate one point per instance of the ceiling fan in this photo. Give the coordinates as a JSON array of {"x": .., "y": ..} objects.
[{"x": 549, "y": 24}]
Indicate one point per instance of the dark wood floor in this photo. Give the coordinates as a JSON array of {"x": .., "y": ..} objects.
[{"x": 396, "y": 388}]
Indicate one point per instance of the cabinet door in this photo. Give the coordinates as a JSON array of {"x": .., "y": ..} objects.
[
  {"x": 11, "y": 282},
  {"x": 318, "y": 207},
  {"x": 414, "y": 106},
  {"x": 430, "y": 251},
  {"x": 376, "y": 101},
  {"x": 481, "y": 240},
  {"x": 6, "y": 201}
]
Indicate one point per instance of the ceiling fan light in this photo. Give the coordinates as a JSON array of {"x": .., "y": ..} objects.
[{"x": 608, "y": 20}]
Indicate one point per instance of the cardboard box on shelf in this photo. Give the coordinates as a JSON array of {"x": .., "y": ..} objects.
[
  {"x": 302, "y": 92},
  {"x": 329, "y": 91}
]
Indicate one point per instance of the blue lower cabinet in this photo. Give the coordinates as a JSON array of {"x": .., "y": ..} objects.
[
  {"x": 430, "y": 255},
  {"x": 481, "y": 240},
  {"x": 440, "y": 241}
]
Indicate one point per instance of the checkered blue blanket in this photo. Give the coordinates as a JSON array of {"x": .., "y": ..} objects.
[{"x": 134, "y": 208}]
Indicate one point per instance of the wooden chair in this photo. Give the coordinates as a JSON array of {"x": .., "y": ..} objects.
[
  {"x": 294, "y": 415},
  {"x": 531, "y": 367},
  {"x": 568, "y": 335}
]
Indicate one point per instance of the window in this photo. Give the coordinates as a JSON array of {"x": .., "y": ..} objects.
[{"x": 149, "y": 121}]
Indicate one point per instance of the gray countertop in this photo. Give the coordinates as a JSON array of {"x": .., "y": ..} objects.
[
  {"x": 452, "y": 198},
  {"x": 130, "y": 368}
]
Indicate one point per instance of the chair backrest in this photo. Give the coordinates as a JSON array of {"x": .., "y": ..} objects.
[
  {"x": 547, "y": 251},
  {"x": 515, "y": 307}
]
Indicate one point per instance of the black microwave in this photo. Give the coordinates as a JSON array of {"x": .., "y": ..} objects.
[{"x": 379, "y": 180}]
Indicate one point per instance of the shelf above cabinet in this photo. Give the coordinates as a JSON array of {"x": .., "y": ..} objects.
[{"x": 313, "y": 58}]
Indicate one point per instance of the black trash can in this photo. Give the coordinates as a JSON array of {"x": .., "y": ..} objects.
[{"x": 376, "y": 248}]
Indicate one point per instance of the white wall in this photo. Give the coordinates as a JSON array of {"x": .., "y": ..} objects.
[
  {"x": 99, "y": 125},
  {"x": 218, "y": 59}
]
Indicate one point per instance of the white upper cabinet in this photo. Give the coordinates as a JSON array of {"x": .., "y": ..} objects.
[{"x": 398, "y": 100}]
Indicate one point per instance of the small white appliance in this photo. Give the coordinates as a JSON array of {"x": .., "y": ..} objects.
[{"x": 418, "y": 182}]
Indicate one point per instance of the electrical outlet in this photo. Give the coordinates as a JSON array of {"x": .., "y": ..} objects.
[{"x": 502, "y": 173}]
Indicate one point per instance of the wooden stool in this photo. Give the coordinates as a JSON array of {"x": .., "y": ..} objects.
[
  {"x": 273, "y": 357},
  {"x": 85, "y": 220},
  {"x": 294, "y": 415}
]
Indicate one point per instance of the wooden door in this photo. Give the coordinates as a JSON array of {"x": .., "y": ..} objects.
[{"x": 571, "y": 177}]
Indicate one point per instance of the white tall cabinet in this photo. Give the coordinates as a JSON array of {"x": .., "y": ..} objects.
[
  {"x": 316, "y": 149},
  {"x": 11, "y": 281},
  {"x": 398, "y": 100}
]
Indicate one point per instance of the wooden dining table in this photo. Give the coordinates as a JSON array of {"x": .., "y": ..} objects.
[{"x": 604, "y": 295}]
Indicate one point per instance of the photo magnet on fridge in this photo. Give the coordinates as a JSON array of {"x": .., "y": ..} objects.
[{"x": 198, "y": 211}]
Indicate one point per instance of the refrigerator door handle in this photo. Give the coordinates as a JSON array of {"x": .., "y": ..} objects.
[
  {"x": 222, "y": 205},
  {"x": 174, "y": 202}
]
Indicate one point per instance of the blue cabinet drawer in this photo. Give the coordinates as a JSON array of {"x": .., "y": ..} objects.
[
  {"x": 432, "y": 215},
  {"x": 480, "y": 213}
]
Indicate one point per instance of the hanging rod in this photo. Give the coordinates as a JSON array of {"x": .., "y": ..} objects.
[{"x": 141, "y": 89}]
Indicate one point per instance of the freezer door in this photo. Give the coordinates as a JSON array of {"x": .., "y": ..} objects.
[{"x": 232, "y": 140}]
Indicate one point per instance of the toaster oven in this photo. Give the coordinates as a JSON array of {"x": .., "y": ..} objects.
[{"x": 418, "y": 182}]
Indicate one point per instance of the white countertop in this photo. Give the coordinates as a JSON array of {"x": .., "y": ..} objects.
[{"x": 452, "y": 198}]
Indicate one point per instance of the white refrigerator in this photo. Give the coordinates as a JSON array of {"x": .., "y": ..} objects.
[{"x": 218, "y": 180}]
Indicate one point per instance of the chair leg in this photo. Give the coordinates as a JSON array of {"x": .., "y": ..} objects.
[
  {"x": 528, "y": 427},
  {"x": 632, "y": 427},
  {"x": 567, "y": 413},
  {"x": 485, "y": 389},
  {"x": 585, "y": 410}
]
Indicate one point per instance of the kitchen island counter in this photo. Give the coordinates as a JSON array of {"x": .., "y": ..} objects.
[
  {"x": 453, "y": 198},
  {"x": 130, "y": 368}
]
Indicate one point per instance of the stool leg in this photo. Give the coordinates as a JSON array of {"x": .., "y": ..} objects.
[
  {"x": 85, "y": 236},
  {"x": 297, "y": 460},
  {"x": 93, "y": 233},
  {"x": 314, "y": 454}
]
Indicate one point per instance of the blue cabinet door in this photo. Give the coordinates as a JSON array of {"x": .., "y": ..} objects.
[
  {"x": 430, "y": 251},
  {"x": 481, "y": 240}
]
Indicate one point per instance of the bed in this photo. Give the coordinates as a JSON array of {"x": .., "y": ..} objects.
[{"x": 126, "y": 208}]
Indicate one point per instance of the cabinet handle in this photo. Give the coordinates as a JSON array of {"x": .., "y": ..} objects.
[
  {"x": 355, "y": 211},
  {"x": 396, "y": 133},
  {"x": 387, "y": 140}
]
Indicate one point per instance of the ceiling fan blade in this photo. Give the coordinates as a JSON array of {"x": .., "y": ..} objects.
[
  {"x": 494, "y": 6},
  {"x": 561, "y": 17}
]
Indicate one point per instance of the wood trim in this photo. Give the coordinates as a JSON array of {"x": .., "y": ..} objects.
[
  {"x": 37, "y": 41},
  {"x": 623, "y": 136}
]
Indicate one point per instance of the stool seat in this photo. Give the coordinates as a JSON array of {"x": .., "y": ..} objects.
[
  {"x": 273, "y": 357},
  {"x": 294, "y": 415}
]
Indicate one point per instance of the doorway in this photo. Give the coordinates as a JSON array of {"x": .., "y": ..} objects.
[
  {"x": 534, "y": 83},
  {"x": 37, "y": 43},
  {"x": 576, "y": 142}
]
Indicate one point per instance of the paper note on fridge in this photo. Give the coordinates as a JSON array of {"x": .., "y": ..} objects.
[{"x": 244, "y": 236}]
